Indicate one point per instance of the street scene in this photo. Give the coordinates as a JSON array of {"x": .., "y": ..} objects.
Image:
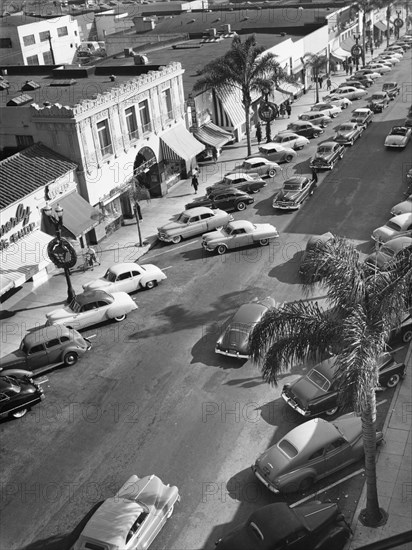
[{"x": 180, "y": 382}]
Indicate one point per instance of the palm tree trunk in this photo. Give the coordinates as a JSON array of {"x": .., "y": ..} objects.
[
  {"x": 317, "y": 84},
  {"x": 388, "y": 18},
  {"x": 372, "y": 515},
  {"x": 363, "y": 37},
  {"x": 246, "y": 105}
]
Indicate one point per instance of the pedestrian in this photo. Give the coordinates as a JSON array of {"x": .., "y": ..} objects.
[
  {"x": 91, "y": 257},
  {"x": 350, "y": 68},
  {"x": 314, "y": 175},
  {"x": 328, "y": 84},
  {"x": 258, "y": 133},
  {"x": 288, "y": 108},
  {"x": 214, "y": 154},
  {"x": 320, "y": 81},
  {"x": 196, "y": 171},
  {"x": 346, "y": 67},
  {"x": 371, "y": 49},
  {"x": 195, "y": 183},
  {"x": 282, "y": 111}
]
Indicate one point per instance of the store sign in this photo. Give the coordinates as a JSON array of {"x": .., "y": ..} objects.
[
  {"x": 22, "y": 216},
  {"x": 54, "y": 190}
]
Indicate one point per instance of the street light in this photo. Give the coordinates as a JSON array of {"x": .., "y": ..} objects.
[{"x": 62, "y": 253}]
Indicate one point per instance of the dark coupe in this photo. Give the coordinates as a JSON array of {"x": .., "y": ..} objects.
[
  {"x": 276, "y": 526},
  {"x": 348, "y": 132},
  {"x": 379, "y": 101},
  {"x": 18, "y": 394},
  {"x": 392, "y": 89},
  {"x": 305, "y": 128},
  {"x": 316, "y": 393},
  {"x": 249, "y": 183},
  {"x": 225, "y": 199},
  {"x": 327, "y": 155},
  {"x": 295, "y": 190}
]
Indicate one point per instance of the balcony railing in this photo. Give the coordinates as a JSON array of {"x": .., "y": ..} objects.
[
  {"x": 147, "y": 128},
  {"x": 106, "y": 151},
  {"x": 134, "y": 135}
]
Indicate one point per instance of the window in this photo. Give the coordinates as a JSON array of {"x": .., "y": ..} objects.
[
  {"x": 64, "y": 339},
  {"x": 124, "y": 276},
  {"x": 53, "y": 343},
  {"x": 62, "y": 31},
  {"x": 167, "y": 98},
  {"x": 29, "y": 40},
  {"x": 44, "y": 36},
  {"x": 130, "y": 114},
  {"x": 104, "y": 137},
  {"x": 33, "y": 60},
  {"x": 24, "y": 141},
  {"x": 47, "y": 58},
  {"x": 317, "y": 454},
  {"x": 36, "y": 349},
  {"x": 145, "y": 116}
]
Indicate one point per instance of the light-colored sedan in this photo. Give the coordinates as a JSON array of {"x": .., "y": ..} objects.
[
  {"x": 327, "y": 109},
  {"x": 391, "y": 58},
  {"x": 310, "y": 452},
  {"x": 379, "y": 68},
  {"x": 404, "y": 207},
  {"x": 342, "y": 102},
  {"x": 396, "y": 227},
  {"x": 132, "y": 518},
  {"x": 289, "y": 139},
  {"x": 92, "y": 307},
  {"x": 388, "y": 252},
  {"x": 258, "y": 165},
  {"x": 347, "y": 91},
  {"x": 127, "y": 277},
  {"x": 398, "y": 137},
  {"x": 362, "y": 116},
  {"x": 367, "y": 72},
  {"x": 237, "y": 234},
  {"x": 275, "y": 152}
]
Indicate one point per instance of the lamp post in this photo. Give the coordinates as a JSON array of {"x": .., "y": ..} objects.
[
  {"x": 60, "y": 250},
  {"x": 267, "y": 110}
]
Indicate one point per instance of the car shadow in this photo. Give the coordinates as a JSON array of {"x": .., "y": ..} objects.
[
  {"x": 245, "y": 488},
  {"x": 264, "y": 207},
  {"x": 288, "y": 272},
  {"x": 366, "y": 247}
]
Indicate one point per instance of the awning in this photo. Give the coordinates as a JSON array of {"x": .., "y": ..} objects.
[
  {"x": 380, "y": 25},
  {"x": 340, "y": 54},
  {"x": 347, "y": 44},
  {"x": 212, "y": 135},
  {"x": 289, "y": 89},
  {"x": 79, "y": 216},
  {"x": 178, "y": 143},
  {"x": 23, "y": 259},
  {"x": 232, "y": 104}
]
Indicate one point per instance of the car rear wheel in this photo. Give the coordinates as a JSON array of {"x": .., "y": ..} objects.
[
  {"x": 272, "y": 173},
  {"x": 254, "y": 191},
  {"x": 177, "y": 239},
  {"x": 289, "y": 158},
  {"x": 331, "y": 412},
  {"x": 120, "y": 318},
  {"x": 19, "y": 414},
  {"x": 70, "y": 359},
  {"x": 221, "y": 249},
  {"x": 407, "y": 336},
  {"x": 334, "y": 115},
  {"x": 240, "y": 206},
  {"x": 305, "y": 484},
  {"x": 393, "y": 381},
  {"x": 264, "y": 242},
  {"x": 316, "y": 134},
  {"x": 150, "y": 284}
]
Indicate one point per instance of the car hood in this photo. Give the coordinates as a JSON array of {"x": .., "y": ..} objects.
[
  {"x": 171, "y": 226},
  {"x": 343, "y": 135},
  {"x": 234, "y": 339},
  {"x": 322, "y": 156},
  {"x": 305, "y": 390},
  {"x": 377, "y": 101},
  {"x": 287, "y": 195},
  {"x": 212, "y": 235},
  {"x": 385, "y": 233},
  {"x": 15, "y": 358},
  {"x": 59, "y": 314},
  {"x": 404, "y": 207},
  {"x": 97, "y": 284}
]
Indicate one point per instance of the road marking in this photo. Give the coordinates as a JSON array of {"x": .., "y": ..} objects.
[
  {"x": 175, "y": 247},
  {"x": 381, "y": 402},
  {"x": 168, "y": 267},
  {"x": 327, "y": 488}
]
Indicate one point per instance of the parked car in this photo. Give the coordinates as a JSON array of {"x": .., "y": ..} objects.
[
  {"x": 379, "y": 68},
  {"x": 289, "y": 139},
  {"x": 127, "y": 277},
  {"x": 347, "y": 91},
  {"x": 362, "y": 116},
  {"x": 18, "y": 394},
  {"x": 354, "y": 84},
  {"x": 92, "y": 307},
  {"x": 397, "y": 52},
  {"x": 398, "y": 137},
  {"x": 193, "y": 222},
  {"x": 309, "y": 525},
  {"x": 313, "y": 242},
  {"x": 249, "y": 183},
  {"x": 310, "y": 452},
  {"x": 275, "y": 153},
  {"x": 342, "y": 102},
  {"x": 404, "y": 207},
  {"x": 294, "y": 192},
  {"x": 403, "y": 331},
  {"x": 407, "y": 122},
  {"x": 326, "y": 109},
  {"x": 319, "y": 119},
  {"x": 388, "y": 252},
  {"x": 132, "y": 518},
  {"x": 364, "y": 80},
  {"x": 392, "y": 89},
  {"x": 234, "y": 339},
  {"x": 366, "y": 72},
  {"x": 348, "y": 132},
  {"x": 317, "y": 392},
  {"x": 237, "y": 234},
  {"x": 388, "y": 57},
  {"x": 305, "y": 128},
  {"x": 395, "y": 227},
  {"x": 258, "y": 165},
  {"x": 327, "y": 155},
  {"x": 394, "y": 48},
  {"x": 224, "y": 199},
  {"x": 379, "y": 101},
  {"x": 43, "y": 349}
]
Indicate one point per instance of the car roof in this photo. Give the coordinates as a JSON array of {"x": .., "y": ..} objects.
[
  {"x": 399, "y": 243},
  {"x": 248, "y": 313},
  {"x": 287, "y": 523},
  {"x": 257, "y": 159},
  {"x": 271, "y": 146},
  {"x": 361, "y": 110},
  {"x": 284, "y": 133},
  {"x": 228, "y": 189},
  {"x": 90, "y": 295},
  {"x": 235, "y": 175},
  {"x": 402, "y": 218},
  {"x": 390, "y": 84},
  {"x": 380, "y": 93},
  {"x": 299, "y": 123},
  {"x": 296, "y": 179},
  {"x": 348, "y": 123},
  {"x": 311, "y": 435},
  {"x": 197, "y": 211},
  {"x": 237, "y": 224},
  {"x": 116, "y": 269},
  {"x": 330, "y": 143},
  {"x": 44, "y": 334}
]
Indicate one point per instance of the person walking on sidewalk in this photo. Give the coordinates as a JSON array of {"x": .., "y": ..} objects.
[
  {"x": 288, "y": 108},
  {"x": 91, "y": 257},
  {"x": 328, "y": 84},
  {"x": 195, "y": 183},
  {"x": 320, "y": 80},
  {"x": 258, "y": 133},
  {"x": 282, "y": 111},
  {"x": 214, "y": 154},
  {"x": 314, "y": 176}
]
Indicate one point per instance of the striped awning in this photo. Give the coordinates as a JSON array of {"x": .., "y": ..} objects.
[
  {"x": 289, "y": 88},
  {"x": 380, "y": 25},
  {"x": 212, "y": 135},
  {"x": 79, "y": 216},
  {"x": 178, "y": 143},
  {"x": 340, "y": 54},
  {"x": 231, "y": 100},
  {"x": 23, "y": 259},
  {"x": 347, "y": 44}
]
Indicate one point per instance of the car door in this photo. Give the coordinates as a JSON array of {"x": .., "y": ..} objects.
[
  {"x": 260, "y": 168},
  {"x": 37, "y": 357},
  {"x": 90, "y": 314},
  {"x": 124, "y": 282},
  {"x": 338, "y": 454},
  {"x": 239, "y": 238},
  {"x": 136, "y": 277},
  {"x": 194, "y": 226},
  {"x": 54, "y": 350},
  {"x": 210, "y": 222},
  {"x": 224, "y": 201}
]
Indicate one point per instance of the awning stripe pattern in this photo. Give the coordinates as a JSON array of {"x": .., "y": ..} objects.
[
  {"x": 23, "y": 259},
  {"x": 287, "y": 89},
  {"x": 212, "y": 135},
  {"x": 178, "y": 143},
  {"x": 232, "y": 104},
  {"x": 79, "y": 216}
]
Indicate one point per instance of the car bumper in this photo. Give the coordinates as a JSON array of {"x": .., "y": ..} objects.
[
  {"x": 295, "y": 406},
  {"x": 264, "y": 481},
  {"x": 281, "y": 206},
  {"x": 395, "y": 145},
  {"x": 164, "y": 238},
  {"x": 231, "y": 353},
  {"x": 89, "y": 344},
  {"x": 207, "y": 247}
]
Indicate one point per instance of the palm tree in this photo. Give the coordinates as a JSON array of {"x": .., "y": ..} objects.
[
  {"x": 388, "y": 22},
  {"x": 244, "y": 66},
  {"x": 364, "y": 305},
  {"x": 316, "y": 63},
  {"x": 364, "y": 6}
]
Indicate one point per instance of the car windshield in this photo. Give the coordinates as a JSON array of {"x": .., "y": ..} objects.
[
  {"x": 387, "y": 251},
  {"x": 324, "y": 150},
  {"x": 287, "y": 448},
  {"x": 398, "y": 131},
  {"x": 183, "y": 218},
  {"x": 345, "y": 127},
  {"x": 294, "y": 127},
  {"x": 388, "y": 86},
  {"x": 319, "y": 380},
  {"x": 110, "y": 276},
  {"x": 393, "y": 225},
  {"x": 292, "y": 186},
  {"x": 378, "y": 96}
]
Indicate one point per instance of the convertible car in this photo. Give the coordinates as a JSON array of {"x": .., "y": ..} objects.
[
  {"x": 392, "y": 89},
  {"x": 362, "y": 116},
  {"x": 275, "y": 152},
  {"x": 327, "y": 155},
  {"x": 18, "y": 394},
  {"x": 379, "y": 101},
  {"x": 289, "y": 139},
  {"x": 309, "y": 525},
  {"x": 127, "y": 277},
  {"x": 257, "y": 165},
  {"x": 398, "y": 137},
  {"x": 234, "y": 340},
  {"x": 237, "y": 234},
  {"x": 388, "y": 252},
  {"x": 225, "y": 199},
  {"x": 348, "y": 132},
  {"x": 132, "y": 518},
  {"x": 294, "y": 191},
  {"x": 249, "y": 183},
  {"x": 396, "y": 227},
  {"x": 92, "y": 307},
  {"x": 193, "y": 222},
  {"x": 314, "y": 450},
  {"x": 317, "y": 393}
]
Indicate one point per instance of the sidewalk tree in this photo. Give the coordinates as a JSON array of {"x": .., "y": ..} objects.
[
  {"x": 243, "y": 66},
  {"x": 363, "y": 305},
  {"x": 315, "y": 63}
]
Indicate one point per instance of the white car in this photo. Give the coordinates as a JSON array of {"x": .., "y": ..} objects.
[
  {"x": 395, "y": 227},
  {"x": 342, "y": 102},
  {"x": 404, "y": 207},
  {"x": 327, "y": 109},
  {"x": 398, "y": 137},
  {"x": 367, "y": 72},
  {"x": 127, "y": 277},
  {"x": 257, "y": 165},
  {"x": 388, "y": 58},
  {"x": 290, "y": 139},
  {"x": 379, "y": 68},
  {"x": 394, "y": 53},
  {"x": 347, "y": 91}
]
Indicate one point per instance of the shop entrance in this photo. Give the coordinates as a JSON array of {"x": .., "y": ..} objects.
[{"x": 146, "y": 173}]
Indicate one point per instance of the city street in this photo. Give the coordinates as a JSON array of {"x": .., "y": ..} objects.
[{"x": 153, "y": 397}]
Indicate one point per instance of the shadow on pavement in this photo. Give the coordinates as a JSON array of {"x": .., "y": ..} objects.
[{"x": 288, "y": 272}]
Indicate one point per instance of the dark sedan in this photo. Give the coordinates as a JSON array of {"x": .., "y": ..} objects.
[
  {"x": 327, "y": 155},
  {"x": 18, "y": 394},
  {"x": 295, "y": 190},
  {"x": 276, "y": 526},
  {"x": 317, "y": 393},
  {"x": 225, "y": 199},
  {"x": 392, "y": 89},
  {"x": 365, "y": 81},
  {"x": 249, "y": 183},
  {"x": 379, "y": 101},
  {"x": 348, "y": 133},
  {"x": 306, "y": 129}
]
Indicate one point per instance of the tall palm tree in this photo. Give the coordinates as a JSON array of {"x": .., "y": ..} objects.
[
  {"x": 364, "y": 305},
  {"x": 243, "y": 66},
  {"x": 316, "y": 63},
  {"x": 388, "y": 22}
]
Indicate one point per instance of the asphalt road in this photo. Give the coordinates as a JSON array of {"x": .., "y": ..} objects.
[{"x": 153, "y": 397}]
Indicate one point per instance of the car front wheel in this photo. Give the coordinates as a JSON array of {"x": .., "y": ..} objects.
[
  {"x": 177, "y": 239},
  {"x": 305, "y": 484},
  {"x": 393, "y": 381},
  {"x": 240, "y": 206},
  {"x": 272, "y": 173},
  {"x": 331, "y": 412},
  {"x": 289, "y": 158},
  {"x": 407, "y": 336},
  {"x": 150, "y": 284},
  {"x": 70, "y": 359},
  {"x": 120, "y": 318},
  {"x": 19, "y": 414},
  {"x": 264, "y": 242},
  {"x": 316, "y": 134},
  {"x": 221, "y": 249},
  {"x": 170, "y": 512}
]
